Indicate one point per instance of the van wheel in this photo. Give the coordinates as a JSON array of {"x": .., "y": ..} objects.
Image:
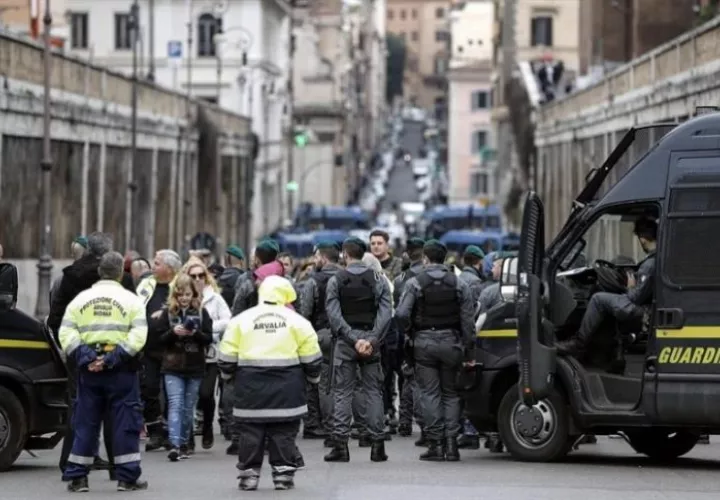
[
  {"x": 662, "y": 445},
  {"x": 13, "y": 428},
  {"x": 534, "y": 434}
]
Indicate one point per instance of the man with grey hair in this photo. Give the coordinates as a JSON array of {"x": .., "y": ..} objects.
[
  {"x": 78, "y": 248},
  {"x": 77, "y": 277},
  {"x": 154, "y": 291}
]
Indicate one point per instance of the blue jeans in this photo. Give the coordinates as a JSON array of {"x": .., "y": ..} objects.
[{"x": 182, "y": 396}]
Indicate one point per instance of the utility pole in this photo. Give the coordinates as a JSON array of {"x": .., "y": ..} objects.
[
  {"x": 188, "y": 109},
  {"x": 45, "y": 264},
  {"x": 135, "y": 213},
  {"x": 509, "y": 53},
  {"x": 291, "y": 110},
  {"x": 151, "y": 41}
]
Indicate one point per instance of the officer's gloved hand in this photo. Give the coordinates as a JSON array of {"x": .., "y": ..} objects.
[
  {"x": 84, "y": 355},
  {"x": 115, "y": 357}
]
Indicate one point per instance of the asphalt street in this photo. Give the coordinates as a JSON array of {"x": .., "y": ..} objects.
[
  {"x": 609, "y": 470},
  {"x": 401, "y": 183}
]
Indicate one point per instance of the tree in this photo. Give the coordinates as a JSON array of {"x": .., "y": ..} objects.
[{"x": 396, "y": 53}]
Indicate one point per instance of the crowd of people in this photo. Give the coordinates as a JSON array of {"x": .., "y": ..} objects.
[{"x": 334, "y": 344}]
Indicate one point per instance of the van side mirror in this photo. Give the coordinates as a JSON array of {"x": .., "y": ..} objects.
[
  {"x": 8, "y": 286},
  {"x": 509, "y": 279}
]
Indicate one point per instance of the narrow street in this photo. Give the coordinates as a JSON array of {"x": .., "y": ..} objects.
[{"x": 401, "y": 184}]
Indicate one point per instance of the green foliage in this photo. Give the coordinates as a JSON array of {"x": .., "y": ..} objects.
[{"x": 395, "y": 67}]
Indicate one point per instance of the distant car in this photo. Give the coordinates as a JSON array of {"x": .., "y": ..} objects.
[
  {"x": 423, "y": 183},
  {"x": 421, "y": 168}
]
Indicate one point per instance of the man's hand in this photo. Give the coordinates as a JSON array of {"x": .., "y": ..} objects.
[
  {"x": 363, "y": 348},
  {"x": 97, "y": 365},
  {"x": 181, "y": 331},
  {"x": 631, "y": 282}
]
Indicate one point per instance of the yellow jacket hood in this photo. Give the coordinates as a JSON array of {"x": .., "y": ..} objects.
[{"x": 276, "y": 290}]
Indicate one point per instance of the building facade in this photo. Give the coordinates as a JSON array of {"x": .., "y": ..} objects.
[
  {"x": 423, "y": 25},
  {"x": 471, "y": 139},
  {"x": 233, "y": 53}
]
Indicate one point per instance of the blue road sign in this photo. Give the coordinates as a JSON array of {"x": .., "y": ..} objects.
[{"x": 174, "y": 48}]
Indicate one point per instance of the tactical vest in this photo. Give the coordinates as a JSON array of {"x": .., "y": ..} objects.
[
  {"x": 438, "y": 308},
  {"x": 357, "y": 298},
  {"x": 319, "y": 318}
]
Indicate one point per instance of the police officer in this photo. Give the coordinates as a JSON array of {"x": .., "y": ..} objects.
[
  {"x": 623, "y": 307},
  {"x": 359, "y": 308},
  {"x": 103, "y": 330},
  {"x": 472, "y": 270},
  {"x": 271, "y": 351},
  {"x": 437, "y": 307},
  {"x": 312, "y": 307},
  {"x": 407, "y": 385}
]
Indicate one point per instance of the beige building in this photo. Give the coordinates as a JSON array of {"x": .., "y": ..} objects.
[
  {"x": 423, "y": 25},
  {"x": 549, "y": 28},
  {"x": 470, "y": 138},
  {"x": 15, "y": 16}
]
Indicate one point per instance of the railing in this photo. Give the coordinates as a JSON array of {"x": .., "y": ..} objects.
[{"x": 694, "y": 48}]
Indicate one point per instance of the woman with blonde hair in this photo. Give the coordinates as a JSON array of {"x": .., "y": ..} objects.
[
  {"x": 219, "y": 313},
  {"x": 188, "y": 332}
]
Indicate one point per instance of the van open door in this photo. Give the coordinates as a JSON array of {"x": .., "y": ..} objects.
[{"x": 536, "y": 351}]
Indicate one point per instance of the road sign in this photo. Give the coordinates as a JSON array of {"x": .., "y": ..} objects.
[
  {"x": 174, "y": 49},
  {"x": 292, "y": 186}
]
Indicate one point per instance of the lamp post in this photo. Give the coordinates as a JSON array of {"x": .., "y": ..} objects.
[
  {"x": 45, "y": 264},
  {"x": 132, "y": 186}
]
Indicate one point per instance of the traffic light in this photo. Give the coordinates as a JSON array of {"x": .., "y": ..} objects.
[{"x": 301, "y": 139}]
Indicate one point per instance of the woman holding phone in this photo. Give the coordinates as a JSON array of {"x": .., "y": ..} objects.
[{"x": 188, "y": 332}]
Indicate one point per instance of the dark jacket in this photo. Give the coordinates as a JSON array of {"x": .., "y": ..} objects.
[
  {"x": 128, "y": 283},
  {"x": 185, "y": 355},
  {"x": 227, "y": 281},
  {"x": 472, "y": 277},
  {"x": 78, "y": 276}
]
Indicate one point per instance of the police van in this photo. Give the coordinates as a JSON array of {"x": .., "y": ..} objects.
[
  {"x": 33, "y": 379},
  {"x": 656, "y": 381}
]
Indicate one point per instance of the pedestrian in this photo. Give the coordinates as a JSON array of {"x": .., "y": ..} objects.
[
  {"x": 409, "y": 406},
  {"x": 359, "y": 308},
  {"x": 245, "y": 290},
  {"x": 437, "y": 308},
  {"x": 219, "y": 313},
  {"x": 128, "y": 282},
  {"x": 234, "y": 268},
  {"x": 187, "y": 331},
  {"x": 380, "y": 248},
  {"x": 155, "y": 292},
  {"x": 312, "y": 307},
  {"x": 103, "y": 330},
  {"x": 77, "y": 277},
  {"x": 272, "y": 352},
  {"x": 78, "y": 248},
  {"x": 139, "y": 270},
  {"x": 472, "y": 260},
  {"x": 288, "y": 264}
]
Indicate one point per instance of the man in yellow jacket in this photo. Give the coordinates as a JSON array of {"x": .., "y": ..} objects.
[
  {"x": 272, "y": 352},
  {"x": 103, "y": 330}
]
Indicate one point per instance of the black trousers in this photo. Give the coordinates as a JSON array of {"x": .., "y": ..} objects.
[
  {"x": 391, "y": 361},
  {"x": 70, "y": 431},
  {"x": 151, "y": 382},
  {"x": 206, "y": 402},
  {"x": 282, "y": 450}
]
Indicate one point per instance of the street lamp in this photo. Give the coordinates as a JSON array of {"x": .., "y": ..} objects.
[
  {"x": 45, "y": 264},
  {"x": 132, "y": 186}
]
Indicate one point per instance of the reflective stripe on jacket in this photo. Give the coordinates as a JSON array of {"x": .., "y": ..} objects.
[{"x": 105, "y": 314}]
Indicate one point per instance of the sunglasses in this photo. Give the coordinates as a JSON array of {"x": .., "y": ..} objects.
[{"x": 200, "y": 276}]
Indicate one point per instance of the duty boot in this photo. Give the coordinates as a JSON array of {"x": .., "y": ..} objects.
[
  {"x": 233, "y": 449},
  {"x": 451, "y": 450},
  {"x": 134, "y": 486},
  {"x": 78, "y": 485},
  {"x": 468, "y": 442},
  {"x": 208, "y": 437},
  {"x": 154, "y": 442},
  {"x": 364, "y": 441},
  {"x": 339, "y": 453},
  {"x": 422, "y": 441},
  {"x": 377, "y": 453},
  {"x": 405, "y": 430},
  {"x": 249, "y": 483},
  {"x": 283, "y": 481},
  {"x": 494, "y": 443},
  {"x": 434, "y": 452}
]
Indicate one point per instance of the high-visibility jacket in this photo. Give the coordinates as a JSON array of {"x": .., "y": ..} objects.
[
  {"x": 272, "y": 350},
  {"x": 146, "y": 288},
  {"x": 104, "y": 316}
]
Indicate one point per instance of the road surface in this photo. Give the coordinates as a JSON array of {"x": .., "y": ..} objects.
[
  {"x": 401, "y": 183},
  {"x": 609, "y": 470}
]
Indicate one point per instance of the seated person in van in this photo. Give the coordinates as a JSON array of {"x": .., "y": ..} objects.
[{"x": 623, "y": 307}]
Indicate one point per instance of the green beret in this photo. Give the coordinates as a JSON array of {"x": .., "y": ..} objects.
[
  {"x": 235, "y": 251},
  {"x": 82, "y": 241},
  {"x": 327, "y": 244},
  {"x": 475, "y": 251},
  {"x": 435, "y": 244},
  {"x": 270, "y": 245},
  {"x": 415, "y": 243},
  {"x": 357, "y": 241}
]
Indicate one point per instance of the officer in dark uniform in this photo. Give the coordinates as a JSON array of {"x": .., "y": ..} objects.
[
  {"x": 312, "y": 308},
  {"x": 437, "y": 307},
  {"x": 472, "y": 270},
  {"x": 623, "y": 307},
  {"x": 359, "y": 308},
  {"x": 406, "y": 384}
]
